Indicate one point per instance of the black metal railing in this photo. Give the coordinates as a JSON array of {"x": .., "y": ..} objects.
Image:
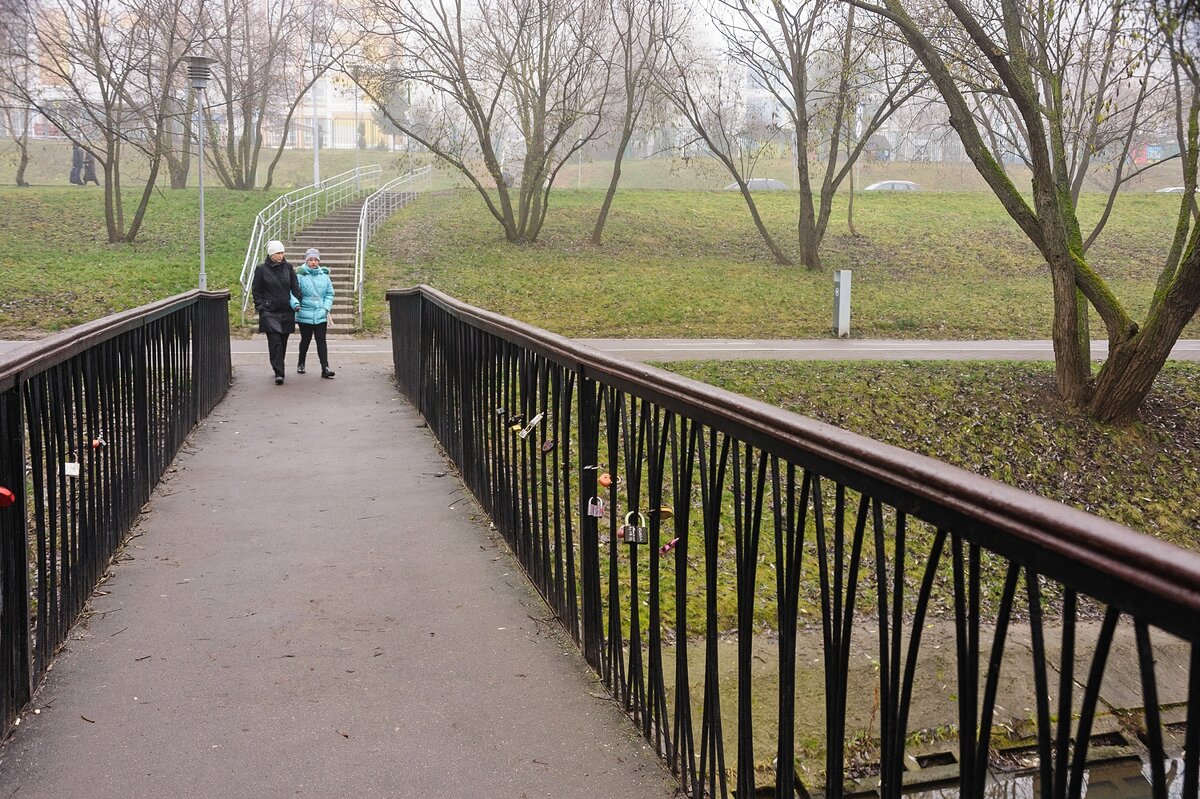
[
  {"x": 90, "y": 420},
  {"x": 659, "y": 516}
]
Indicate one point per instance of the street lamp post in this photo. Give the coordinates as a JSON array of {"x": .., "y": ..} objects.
[{"x": 199, "y": 72}]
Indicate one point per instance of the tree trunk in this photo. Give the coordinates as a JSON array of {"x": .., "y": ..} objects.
[
  {"x": 23, "y": 147},
  {"x": 110, "y": 211},
  {"x": 598, "y": 230},
  {"x": 806, "y": 220},
  {"x": 781, "y": 257},
  {"x": 179, "y": 167},
  {"x": 850, "y": 208},
  {"x": 810, "y": 244},
  {"x": 136, "y": 225},
  {"x": 1128, "y": 374},
  {"x": 1072, "y": 369}
]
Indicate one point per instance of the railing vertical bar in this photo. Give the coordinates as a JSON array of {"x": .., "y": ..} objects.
[{"x": 1191, "y": 744}]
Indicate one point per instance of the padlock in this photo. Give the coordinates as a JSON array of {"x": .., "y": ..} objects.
[
  {"x": 6, "y": 497},
  {"x": 604, "y": 480},
  {"x": 548, "y": 445},
  {"x": 596, "y": 507},
  {"x": 516, "y": 422},
  {"x": 529, "y": 427},
  {"x": 98, "y": 441},
  {"x": 635, "y": 533},
  {"x": 667, "y": 547}
]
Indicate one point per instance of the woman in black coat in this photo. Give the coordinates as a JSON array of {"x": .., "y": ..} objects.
[{"x": 276, "y": 297}]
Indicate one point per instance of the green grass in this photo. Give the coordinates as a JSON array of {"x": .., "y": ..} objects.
[
  {"x": 1004, "y": 421},
  {"x": 690, "y": 264},
  {"x": 57, "y": 268},
  {"x": 685, "y": 264}
]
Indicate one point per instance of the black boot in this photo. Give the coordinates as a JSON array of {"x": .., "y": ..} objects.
[
  {"x": 300, "y": 368},
  {"x": 326, "y": 372}
]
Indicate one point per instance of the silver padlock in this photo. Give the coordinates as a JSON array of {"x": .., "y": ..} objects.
[
  {"x": 596, "y": 507},
  {"x": 635, "y": 533}
]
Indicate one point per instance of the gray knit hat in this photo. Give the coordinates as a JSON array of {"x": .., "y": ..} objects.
[{"x": 312, "y": 252}]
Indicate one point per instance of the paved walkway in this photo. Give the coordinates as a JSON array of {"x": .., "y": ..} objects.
[{"x": 311, "y": 607}]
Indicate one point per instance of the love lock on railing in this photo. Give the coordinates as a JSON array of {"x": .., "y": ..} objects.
[{"x": 6, "y": 497}]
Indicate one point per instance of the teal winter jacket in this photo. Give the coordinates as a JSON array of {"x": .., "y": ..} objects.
[{"x": 316, "y": 295}]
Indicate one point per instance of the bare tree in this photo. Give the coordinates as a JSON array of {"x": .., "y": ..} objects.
[
  {"x": 1021, "y": 55},
  {"x": 712, "y": 100},
  {"x": 105, "y": 67},
  {"x": 499, "y": 81},
  {"x": 641, "y": 28},
  {"x": 269, "y": 56},
  {"x": 14, "y": 72},
  {"x": 820, "y": 65}
]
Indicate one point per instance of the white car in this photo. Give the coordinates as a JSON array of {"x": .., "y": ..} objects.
[
  {"x": 760, "y": 184},
  {"x": 893, "y": 185},
  {"x": 1172, "y": 190}
]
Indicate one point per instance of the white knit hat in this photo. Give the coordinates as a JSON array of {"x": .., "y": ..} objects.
[
  {"x": 313, "y": 252},
  {"x": 274, "y": 247}
]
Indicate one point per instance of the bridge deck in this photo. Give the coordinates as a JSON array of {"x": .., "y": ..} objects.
[{"x": 310, "y": 607}]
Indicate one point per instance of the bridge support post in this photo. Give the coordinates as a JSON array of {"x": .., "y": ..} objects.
[{"x": 16, "y": 668}]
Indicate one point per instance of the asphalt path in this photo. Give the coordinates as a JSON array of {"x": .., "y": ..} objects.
[
  {"x": 311, "y": 605},
  {"x": 662, "y": 350}
]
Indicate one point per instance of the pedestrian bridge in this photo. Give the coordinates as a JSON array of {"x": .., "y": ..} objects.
[{"x": 503, "y": 564}]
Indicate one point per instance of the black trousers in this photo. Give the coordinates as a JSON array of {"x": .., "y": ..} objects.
[
  {"x": 277, "y": 349},
  {"x": 307, "y": 334}
]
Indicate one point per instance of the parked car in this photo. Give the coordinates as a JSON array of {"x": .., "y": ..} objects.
[
  {"x": 760, "y": 184},
  {"x": 893, "y": 185},
  {"x": 1172, "y": 190}
]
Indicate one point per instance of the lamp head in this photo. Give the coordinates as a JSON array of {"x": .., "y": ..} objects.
[{"x": 199, "y": 70}]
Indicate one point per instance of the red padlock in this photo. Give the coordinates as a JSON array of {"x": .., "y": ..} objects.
[{"x": 6, "y": 497}]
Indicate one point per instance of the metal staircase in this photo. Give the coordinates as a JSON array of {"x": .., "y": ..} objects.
[{"x": 341, "y": 233}]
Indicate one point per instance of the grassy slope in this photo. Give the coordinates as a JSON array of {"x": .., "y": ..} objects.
[
  {"x": 691, "y": 264},
  {"x": 674, "y": 263},
  {"x": 1004, "y": 421},
  {"x": 57, "y": 268}
]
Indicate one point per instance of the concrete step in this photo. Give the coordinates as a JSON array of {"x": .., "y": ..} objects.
[
  {"x": 332, "y": 243},
  {"x": 332, "y": 224},
  {"x": 330, "y": 240}
]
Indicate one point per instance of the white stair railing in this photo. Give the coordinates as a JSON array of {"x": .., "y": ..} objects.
[
  {"x": 291, "y": 212},
  {"x": 387, "y": 199}
]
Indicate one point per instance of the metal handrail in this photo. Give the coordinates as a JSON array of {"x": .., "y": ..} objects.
[
  {"x": 291, "y": 212},
  {"x": 108, "y": 405},
  {"x": 559, "y": 443},
  {"x": 387, "y": 199}
]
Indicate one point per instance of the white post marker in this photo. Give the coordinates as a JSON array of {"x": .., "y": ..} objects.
[{"x": 841, "y": 303}]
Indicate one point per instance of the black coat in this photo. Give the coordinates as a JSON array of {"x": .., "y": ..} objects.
[{"x": 273, "y": 286}]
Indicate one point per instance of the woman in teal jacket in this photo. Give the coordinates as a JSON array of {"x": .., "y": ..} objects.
[{"x": 316, "y": 300}]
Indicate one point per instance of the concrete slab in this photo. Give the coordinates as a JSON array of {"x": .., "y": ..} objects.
[{"x": 312, "y": 606}]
